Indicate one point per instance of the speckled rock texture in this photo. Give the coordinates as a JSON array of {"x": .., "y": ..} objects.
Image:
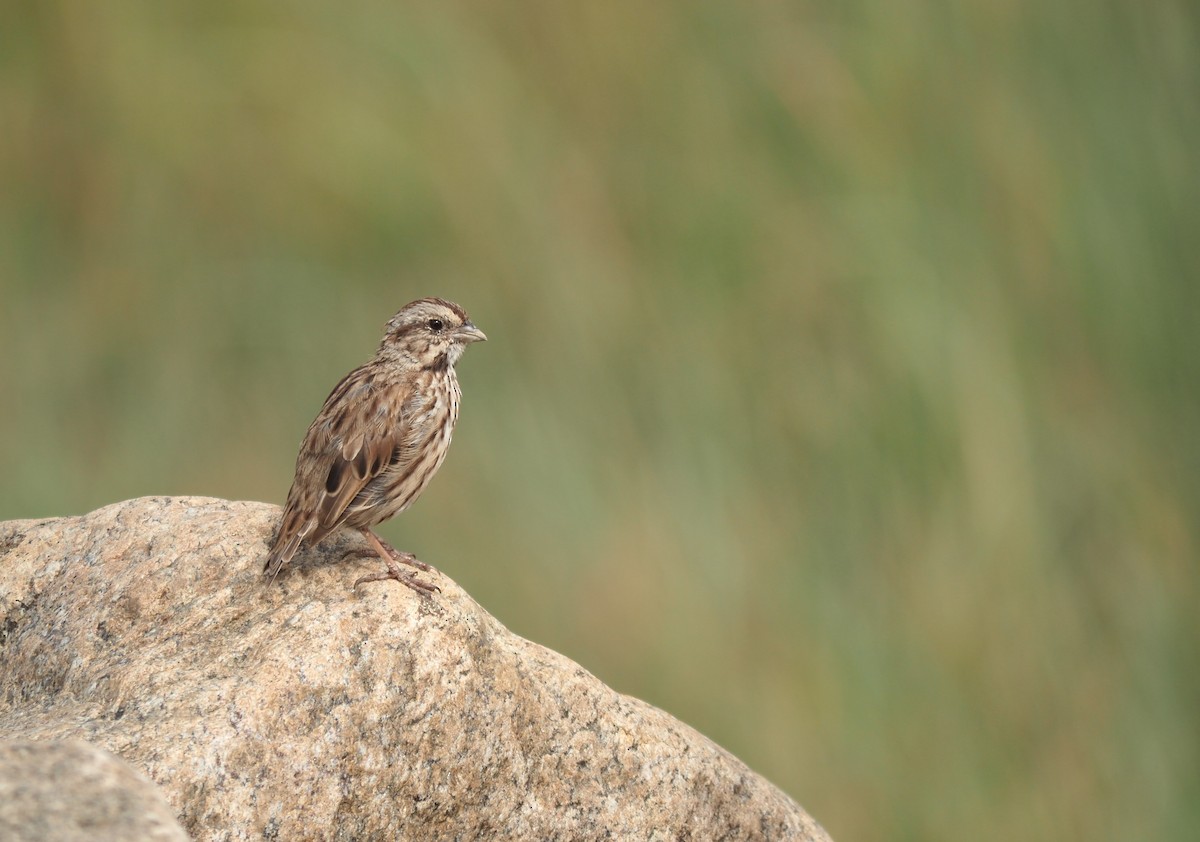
[
  {"x": 70, "y": 791},
  {"x": 304, "y": 709}
]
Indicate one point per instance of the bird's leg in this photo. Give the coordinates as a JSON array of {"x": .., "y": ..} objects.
[
  {"x": 398, "y": 555},
  {"x": 384, "y": 550},
  {"x": 390, "y": 556}
]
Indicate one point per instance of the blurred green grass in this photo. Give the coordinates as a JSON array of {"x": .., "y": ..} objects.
[{"x": 842, "y": 396}]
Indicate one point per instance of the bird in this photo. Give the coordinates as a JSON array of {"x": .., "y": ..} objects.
[{"x": 379, "y": 438}]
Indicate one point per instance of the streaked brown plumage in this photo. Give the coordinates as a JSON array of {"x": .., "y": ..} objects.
[{"x": 380, "y": 437}]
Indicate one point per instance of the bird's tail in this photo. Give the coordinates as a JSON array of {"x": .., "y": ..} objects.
[{"x": 292, "y": 531}]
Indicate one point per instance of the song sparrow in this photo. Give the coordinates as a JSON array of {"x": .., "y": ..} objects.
[{"x": 380, "y": 437}]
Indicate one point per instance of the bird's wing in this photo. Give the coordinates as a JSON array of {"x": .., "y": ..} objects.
[
  {"x": 352, "y": 466},
  {"x": 357, "y": 435},
  {"x": 355, "y": 438}
]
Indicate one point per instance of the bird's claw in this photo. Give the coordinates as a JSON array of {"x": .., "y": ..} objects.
[{"x": 425, "y": 589}]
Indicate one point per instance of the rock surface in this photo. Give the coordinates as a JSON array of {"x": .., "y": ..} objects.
[
  {"x": 74, "y": 792},
  {"x": 304, "y": 709}
]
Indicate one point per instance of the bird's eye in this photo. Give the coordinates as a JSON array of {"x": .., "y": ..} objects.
[{"x": 435, "y": 325}]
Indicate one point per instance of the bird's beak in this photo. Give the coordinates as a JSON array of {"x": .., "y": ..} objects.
[{"x": 469, "y": 333}]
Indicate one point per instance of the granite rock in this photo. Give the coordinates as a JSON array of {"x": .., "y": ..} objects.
[
  {"x": 305, "y": 709},
  {"x": 70, "y": 791}
]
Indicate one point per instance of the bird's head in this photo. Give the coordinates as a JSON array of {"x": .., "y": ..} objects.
[{"x": 430, "y": 333}]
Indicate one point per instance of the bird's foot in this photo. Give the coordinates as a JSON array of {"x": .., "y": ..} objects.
[
  {"x": 390, "y": 556},
  {"x": 394, "y": 571}
]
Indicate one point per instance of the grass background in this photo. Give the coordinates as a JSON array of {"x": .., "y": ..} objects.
[{"x": 842, "y": 391}]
